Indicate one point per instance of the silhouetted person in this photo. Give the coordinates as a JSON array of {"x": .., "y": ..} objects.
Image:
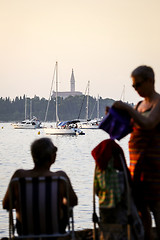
[
  {"x": 144, "y": 147},
  {"x": 44, "y": 154}
]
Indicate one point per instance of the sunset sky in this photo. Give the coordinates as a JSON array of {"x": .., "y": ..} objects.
[{"x": 102, "y": 40}]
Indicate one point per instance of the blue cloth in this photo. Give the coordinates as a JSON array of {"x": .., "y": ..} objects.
[{"x": 116, "y": 123}]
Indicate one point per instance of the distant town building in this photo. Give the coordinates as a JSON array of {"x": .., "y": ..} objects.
[{"x": 72, "y": 91}]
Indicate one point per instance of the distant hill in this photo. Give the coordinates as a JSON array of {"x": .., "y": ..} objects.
[{"x": 72, "y": 107}]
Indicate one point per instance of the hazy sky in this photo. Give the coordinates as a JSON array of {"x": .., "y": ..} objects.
[{"x": 102, "y": 40}]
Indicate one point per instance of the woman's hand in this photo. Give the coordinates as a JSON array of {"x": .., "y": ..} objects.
[
  {"x": 121, "y": 105},
  {"x": 144, "y": 122}
]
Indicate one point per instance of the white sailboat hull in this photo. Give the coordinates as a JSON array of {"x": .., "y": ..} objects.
[
  {"x": 24, "y": 126},
  {"x": 59, "y": 131},
  {"x": 85, "y": 126},
  {"x": 93, "y": 124}
]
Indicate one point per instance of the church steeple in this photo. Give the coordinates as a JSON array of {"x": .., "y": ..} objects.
[{"x": 72, "y": 82}]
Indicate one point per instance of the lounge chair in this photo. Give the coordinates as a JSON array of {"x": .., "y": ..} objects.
[{"x": 40, "y": 208}]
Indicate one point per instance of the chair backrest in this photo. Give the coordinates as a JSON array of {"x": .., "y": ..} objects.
[
  {"x": 129, "y": 214},
  {"x": 40, "y": 207}
]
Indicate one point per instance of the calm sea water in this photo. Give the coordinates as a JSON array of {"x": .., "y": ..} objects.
[{"x": 74, "y": 157}]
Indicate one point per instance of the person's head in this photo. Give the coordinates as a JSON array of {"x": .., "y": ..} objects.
[
  {"x": 43, "y": 151},
  {"x": 143, "y": 79}
]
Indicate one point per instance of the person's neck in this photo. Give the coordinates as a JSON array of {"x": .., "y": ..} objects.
[{"x": 151, "y": 97}]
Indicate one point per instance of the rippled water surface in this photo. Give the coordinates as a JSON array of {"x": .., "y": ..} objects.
[{"x": 74, "y": 157}]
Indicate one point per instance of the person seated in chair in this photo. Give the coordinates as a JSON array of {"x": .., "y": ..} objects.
[{"x": 43, "y": 153}]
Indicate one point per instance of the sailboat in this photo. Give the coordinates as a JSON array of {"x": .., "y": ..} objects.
[
  {"x": 62, "y": 128},
  {"x": 89, "y": 124},
  {"x": 32, "y": 123}
]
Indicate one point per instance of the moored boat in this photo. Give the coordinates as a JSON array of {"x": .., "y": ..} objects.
[
  {"x": 28, "y": 124},
  {"x": 62, "y": 128},
  {"x": 91, "y": 124}
]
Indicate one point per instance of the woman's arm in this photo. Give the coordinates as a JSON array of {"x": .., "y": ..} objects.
[
  {"x": 5, "y": 202},
  {"x": 149, "y": 122}
]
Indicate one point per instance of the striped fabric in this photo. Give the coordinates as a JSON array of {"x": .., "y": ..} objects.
[
  {"x": 144, "y": 150},
  {"x": 40, "y": 206}
]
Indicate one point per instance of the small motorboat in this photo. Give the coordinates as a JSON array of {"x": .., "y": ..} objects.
[{"x": 28, "y": 124}]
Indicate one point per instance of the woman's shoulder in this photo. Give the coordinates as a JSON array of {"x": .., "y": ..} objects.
[
  {"x": 137, "y": 105},
  {"x": 156, "y": 101},
  {"x": 20, "y": 173},
  {"x": 158, "y": 97},
  {"x": 60, "y": 173}
]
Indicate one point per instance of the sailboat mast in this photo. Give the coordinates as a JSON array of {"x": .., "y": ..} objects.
[
  {"x": 98, "y": 107},
  {"x": 123, "y": 94},
  {"x": 87, "y": 101},
  {"x": 30, "y": 109},
  {"x": 56, "y": 93},
  {"x": 50, "y": 94},
  {"x": 25, "y": 108}
]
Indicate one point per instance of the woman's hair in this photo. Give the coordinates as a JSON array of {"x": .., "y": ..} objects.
[
  {"x": 42, "y": 150},
  {"x": 144, "y": 72}
]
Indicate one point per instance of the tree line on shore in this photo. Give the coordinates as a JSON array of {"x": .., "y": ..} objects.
[{"x": 72, "y": 107}]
